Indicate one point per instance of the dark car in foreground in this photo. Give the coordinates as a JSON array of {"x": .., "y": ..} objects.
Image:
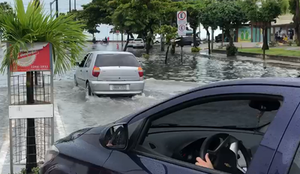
[{"x": 247, "y": 126}]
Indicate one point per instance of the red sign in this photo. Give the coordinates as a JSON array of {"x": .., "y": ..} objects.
[
  {"x": 181, "y": 15},
  {"x": 35, "y": 59}
]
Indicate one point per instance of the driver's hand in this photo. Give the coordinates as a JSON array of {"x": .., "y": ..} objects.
[{"x": 207, "y": 163}]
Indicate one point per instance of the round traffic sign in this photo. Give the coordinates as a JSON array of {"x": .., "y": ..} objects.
[
  {"x": 181, "y": 15},
  {"x": 182, "y": 27}
]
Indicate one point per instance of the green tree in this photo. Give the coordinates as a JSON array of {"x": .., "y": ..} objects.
[
  {"x": 5, "y": 7},
  {"x": 262, "y": 13},
  {"x": 294, "y": 9},
  {"x": 209, "y": 17},
  {"x": 125, "y": 19},
  {"x": 63, "y": 33},
  {"x": 194, "y": 16},
  {"x": 150, "y": 12},
  {"x": 231, "y": 16},
  {"x": 95, "y": 13},
  {"x": 170, "y": 33}
]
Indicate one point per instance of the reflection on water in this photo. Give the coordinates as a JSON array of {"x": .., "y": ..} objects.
[{"x": 203, "y": 69}]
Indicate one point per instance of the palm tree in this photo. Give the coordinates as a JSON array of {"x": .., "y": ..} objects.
[{"x": 26, "y": 26}]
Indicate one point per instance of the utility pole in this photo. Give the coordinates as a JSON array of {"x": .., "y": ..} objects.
[
  {"x": 70, "y": 4},
  {"x": 57, "y": 8},
  {"x": 51, "y": 3},
  {"x": 74, "y": 4}
]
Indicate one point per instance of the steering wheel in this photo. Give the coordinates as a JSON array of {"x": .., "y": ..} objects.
[{"x": 225, "y": 156}]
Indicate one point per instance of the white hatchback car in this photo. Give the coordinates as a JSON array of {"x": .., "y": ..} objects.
[
  {"x": 138, "y": 43},
  {"x": 103, "y": 72}
]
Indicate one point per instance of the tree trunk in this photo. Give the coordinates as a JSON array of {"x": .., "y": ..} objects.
[
  {"x": 208, "y": 40},
  {"x": 148, "y": 44},
  {"x": 122, "y": 40},
  {"x": 297, "y": 22},
  {"x": 127, "y": 41},
  {"x": 194, "y": 38},
  {"x": 222, "y": 44},
  {"x": 162, "y": 44},
  {"x": 167, "y": 53},
  {"x": 30, "y": 139},
  {"x": 212, "y": 39},
  {"x": 265, "y": 39},
  {"x": 173, "y": 48},
  {"x": 230, "y": 37}
]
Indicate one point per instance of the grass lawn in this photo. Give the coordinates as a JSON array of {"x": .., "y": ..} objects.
[{"x": 272, "y": 51}]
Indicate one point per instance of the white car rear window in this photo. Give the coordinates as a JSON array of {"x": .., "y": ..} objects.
[{"x": 116, "y": 60}]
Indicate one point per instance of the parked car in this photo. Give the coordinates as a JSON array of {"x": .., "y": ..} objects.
[
  {"x": 247, "y": 126},
  {"x": 218, "y": 38},
  {"x": 104, "y": 72},
  {"x": 130, "y": 43},
  {"x": 138, "y": 43},
  {"x": 187, "y": 40},
  {"x": 158, "y": 39}
]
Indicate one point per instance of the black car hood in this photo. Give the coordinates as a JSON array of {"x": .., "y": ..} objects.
[{"x": 84, "y": 145}]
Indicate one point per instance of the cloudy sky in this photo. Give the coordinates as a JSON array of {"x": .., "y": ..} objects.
[{"x": 63, "y": 5}]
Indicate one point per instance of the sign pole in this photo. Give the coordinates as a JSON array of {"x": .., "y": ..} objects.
[
  {"x": 10, "y": 124},
  {"x": 181, "y": 22},
  {"x": 181, "y": 48}
]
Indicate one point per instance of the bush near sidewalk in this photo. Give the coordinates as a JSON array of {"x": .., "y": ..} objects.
[{"x": 195, "y": 49}]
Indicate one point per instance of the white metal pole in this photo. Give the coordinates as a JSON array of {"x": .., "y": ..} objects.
[{"x": 51, "y": 9}]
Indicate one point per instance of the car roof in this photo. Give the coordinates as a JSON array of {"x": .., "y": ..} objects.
[
  {"x": 111, "y": 52},
  {"x": 267, "y": 81}
]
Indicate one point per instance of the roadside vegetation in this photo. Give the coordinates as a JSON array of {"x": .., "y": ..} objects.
[{"x": 149, "y": 17}]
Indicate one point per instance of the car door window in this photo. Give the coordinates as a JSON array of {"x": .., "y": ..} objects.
[
  {"x": 180, "y": 132},
  {"x": 295, "y": 167},
  {"x": 88, "y": 61},
  {"x": 84, "y": 60}
]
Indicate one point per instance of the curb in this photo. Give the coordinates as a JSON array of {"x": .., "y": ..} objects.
[
  {"x": 271, "y": 57},
  {"x": 59, "y": 124}
]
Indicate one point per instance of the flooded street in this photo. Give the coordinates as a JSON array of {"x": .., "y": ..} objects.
[{"x": 162, "y": 81}]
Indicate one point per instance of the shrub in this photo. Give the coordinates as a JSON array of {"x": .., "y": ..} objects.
[
  {"x": 195, "y": 49},
  {"x": 273, "y": 44},
  {"x": 231, "y": 50},
  {"x": 290, "y": 42},
  {"x": 146, "y": 56}
]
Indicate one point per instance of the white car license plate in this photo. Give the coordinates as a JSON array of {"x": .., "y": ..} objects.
[{"x": 119, "y": 87}]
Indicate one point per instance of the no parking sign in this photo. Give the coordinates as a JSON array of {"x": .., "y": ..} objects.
[
  {"x": 181, "y": 17},
  {"x": 181, "y": 22}
]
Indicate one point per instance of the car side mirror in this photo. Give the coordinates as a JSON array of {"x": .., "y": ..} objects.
[{"x": 116, "y": 137}]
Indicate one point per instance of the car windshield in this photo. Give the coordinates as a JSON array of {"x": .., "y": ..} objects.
[{"x": 116, "y": 60}]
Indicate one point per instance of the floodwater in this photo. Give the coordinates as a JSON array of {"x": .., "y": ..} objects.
[{"x": 162, "y": 81}]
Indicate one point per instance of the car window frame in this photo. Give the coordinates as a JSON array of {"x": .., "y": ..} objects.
[
  {"x": 290, "y": 141},
  {"x": 294, "y": 156},
  {"x": 220, "y": 90},
  {"x": 82, "y": 63},
  {"x": 147, "y": 124},
  {"x": 88, "y": 60}
]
